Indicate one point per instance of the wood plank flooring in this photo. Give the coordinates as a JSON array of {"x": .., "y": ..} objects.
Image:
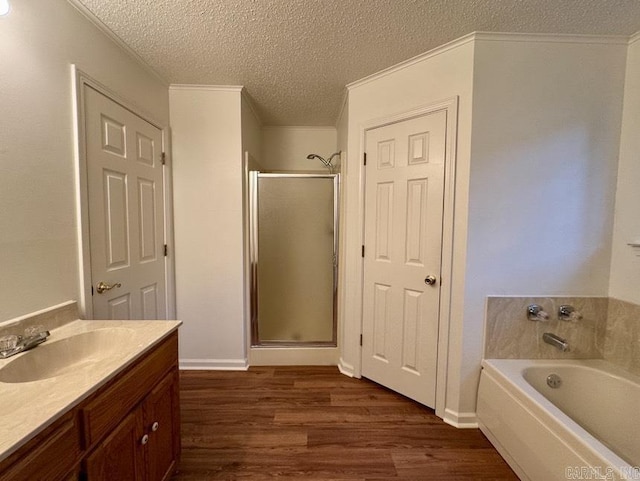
[{"x": 312, "y": 423}]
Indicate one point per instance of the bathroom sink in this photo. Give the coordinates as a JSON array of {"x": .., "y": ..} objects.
[{"x": 71, "y": 354}]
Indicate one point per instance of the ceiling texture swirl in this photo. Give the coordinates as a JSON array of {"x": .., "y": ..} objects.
[{"x": 295, "y": 56}]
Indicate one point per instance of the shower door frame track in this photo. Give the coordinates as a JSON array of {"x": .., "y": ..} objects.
[{"x": 254, "y": 175}]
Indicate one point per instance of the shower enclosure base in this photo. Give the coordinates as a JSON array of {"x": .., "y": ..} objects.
[{"x": 294, "y": 356}]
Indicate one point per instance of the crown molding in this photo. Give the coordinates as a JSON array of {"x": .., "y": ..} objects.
[
  {"x": 413, "y": 60},
  {"x": 551, "y": 38},
  {"x": 300, "y": 127},
  {"x": 110, "y": 34},
  {"x": 216, "y": 88},
  {"x": 498, "y": 37}
]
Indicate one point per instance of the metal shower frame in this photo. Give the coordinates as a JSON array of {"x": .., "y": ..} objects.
[{"x": 254, "y": 176}]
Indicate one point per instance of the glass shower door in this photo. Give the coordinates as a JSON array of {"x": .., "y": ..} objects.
[{"x": 294, "y": 221}]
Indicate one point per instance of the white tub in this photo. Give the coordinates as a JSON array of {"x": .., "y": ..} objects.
[{"x": 588, "y": 428}]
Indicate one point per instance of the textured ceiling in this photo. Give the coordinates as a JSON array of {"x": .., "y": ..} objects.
[{"x": 295, "y": 56}]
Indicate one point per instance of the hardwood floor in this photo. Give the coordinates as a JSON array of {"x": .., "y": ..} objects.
[{"x": 312, "y": 423}]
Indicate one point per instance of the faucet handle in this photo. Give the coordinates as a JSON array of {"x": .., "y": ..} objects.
[
  {"x": 32, "y": 331},
  {"x": 8, "y": 342},
  {"x": 536, "y": 313},
  {"x": 568, "y": 313}
]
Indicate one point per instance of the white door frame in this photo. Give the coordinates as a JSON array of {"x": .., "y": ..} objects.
[
  {"x": 85, "y": 304},
  {"x": 450, "y": 106}
]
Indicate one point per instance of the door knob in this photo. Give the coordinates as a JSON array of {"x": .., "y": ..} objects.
[
  {"x": 430, "y": 280},
  {"x": 103, "y": 286}
]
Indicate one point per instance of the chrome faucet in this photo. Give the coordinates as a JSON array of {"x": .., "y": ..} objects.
[
  {"x": 536, "y": 313},
  {"x": 556, "y": 341},
  {"x": 13, "y": 344},
  {"x": 568, "y": 313}
]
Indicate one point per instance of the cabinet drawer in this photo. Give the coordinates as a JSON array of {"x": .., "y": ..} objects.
[
  {"x": 51, "y": 456},
  {"x": 110, "y": 405}
]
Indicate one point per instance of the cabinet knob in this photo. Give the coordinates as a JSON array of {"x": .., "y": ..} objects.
[
  {"x": 155, "y": 426},
  {"x": 145, "y": 439}
]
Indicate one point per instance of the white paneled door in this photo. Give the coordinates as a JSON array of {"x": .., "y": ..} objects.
[
  {"x": 126, "y": 217},
  {"x": 403, "y": 248}
]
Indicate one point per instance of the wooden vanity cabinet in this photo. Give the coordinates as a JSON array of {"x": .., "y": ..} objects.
[
  {"x": 161, "y": 412},
  {"x": 120, "y": 456},
  {"x": 128, "y": 430},
  {"x": 145, "y": 445},
  {"x": 52, "y": 455},
  {"x": 140, "y": 410}
]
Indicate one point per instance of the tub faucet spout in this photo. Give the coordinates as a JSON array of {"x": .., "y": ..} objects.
[{"x": 556, "y": 341}]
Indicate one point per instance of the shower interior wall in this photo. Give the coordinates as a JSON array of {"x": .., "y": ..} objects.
[{"x": 284, "y": 149}]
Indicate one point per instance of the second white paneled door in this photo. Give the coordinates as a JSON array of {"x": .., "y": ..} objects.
[
  {"x": 126, "y": 215},
  {"x": 403, "y": 249}
]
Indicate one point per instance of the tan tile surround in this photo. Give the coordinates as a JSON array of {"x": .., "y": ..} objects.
[{"x": 609, "y": 329}]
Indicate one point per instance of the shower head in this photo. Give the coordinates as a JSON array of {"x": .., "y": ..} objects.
[
  {"x": 327, "y": 163},
  {"x": 321, "y": 159}
]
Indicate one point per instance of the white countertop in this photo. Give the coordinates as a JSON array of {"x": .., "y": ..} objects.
[{"x": 27, "y": 408}]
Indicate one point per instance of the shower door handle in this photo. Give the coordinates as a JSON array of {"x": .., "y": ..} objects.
[{"x": 430, "y": 280}]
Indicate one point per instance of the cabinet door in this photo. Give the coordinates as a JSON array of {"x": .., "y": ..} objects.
[
  {"x": 161, "y": 417},
  {"x": 49, "y": 456},
  {"x": 121, "y": 455}
]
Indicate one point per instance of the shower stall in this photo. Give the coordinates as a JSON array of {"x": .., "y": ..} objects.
[{"x": 294, "y": 259}]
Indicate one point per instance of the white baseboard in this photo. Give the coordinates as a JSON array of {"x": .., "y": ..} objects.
[
  {"x": 346, "y": 368},
  {"x": 460, "y": 420},
  {"x": 214, "y": 364},
  {"x": 293, "y": 356}
]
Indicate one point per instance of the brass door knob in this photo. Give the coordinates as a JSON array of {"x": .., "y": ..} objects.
[
  {"x": 103, "y": 286},
  {"x": 430, "y": 280}
]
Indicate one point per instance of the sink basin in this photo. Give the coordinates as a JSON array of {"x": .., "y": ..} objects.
[{"x": 57, "y": 358}]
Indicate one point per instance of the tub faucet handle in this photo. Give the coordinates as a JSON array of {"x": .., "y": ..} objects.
[
  {"x": 568, "y": 313},
  {"x": 536, "y": 313}
]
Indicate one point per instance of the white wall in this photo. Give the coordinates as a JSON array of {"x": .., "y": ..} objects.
[
  {"x": 442, "y": 75},
  {"x": 251, "y": 152},
  {"x": 538, "y": 128},
  {"x": 625, "y": 261},
  {"x": 286, "y": 148},
  {"x": 207, "y": 153},
  {"x": 546, "y": 120},
  {"x": 251, "y": 129},
  {"x": 342, "y": 139},
  {"x": 38, "y": 43}
]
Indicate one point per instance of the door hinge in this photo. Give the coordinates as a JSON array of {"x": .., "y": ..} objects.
[
  {"x": 361, "y": 339},
  {"x": 365, "y": 158},
  {"x": 166, "y": 250},
  {"x": 163, "y": 158},
  {"x": 362, "y": 251}
]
